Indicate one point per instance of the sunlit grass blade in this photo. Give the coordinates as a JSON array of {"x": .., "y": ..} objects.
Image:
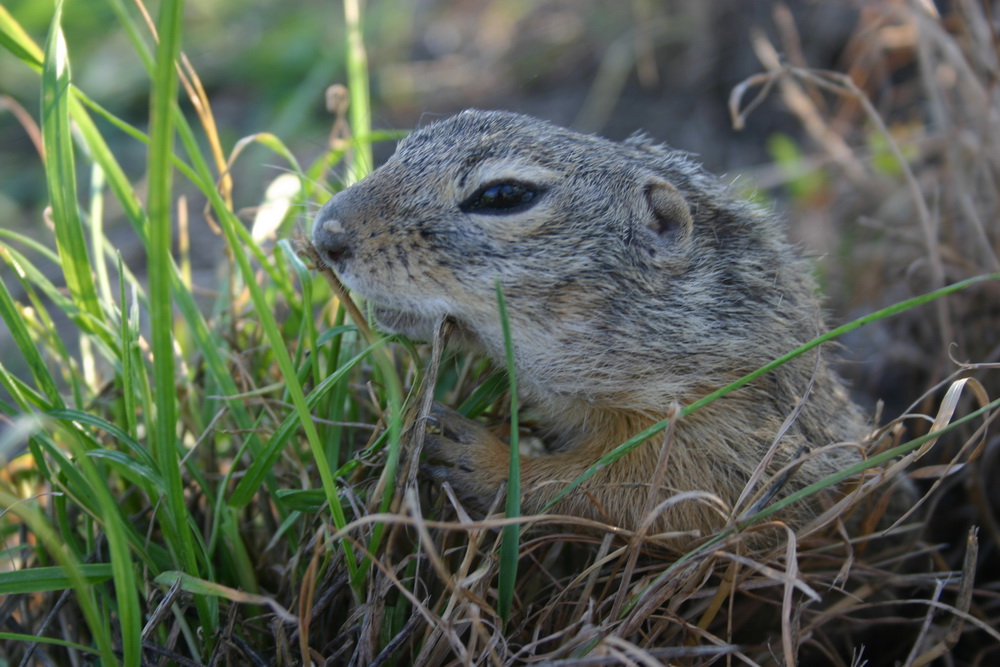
[
  {"x": 97, "y": 240},
  {"x": 60, "y": 173},
  {"x": 357, "y": 76},
  {"x": 14, "y": 38}
]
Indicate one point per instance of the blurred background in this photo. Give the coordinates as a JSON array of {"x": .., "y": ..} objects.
[
  {"x": 602, "y": 66},
  {"x": 614, "y": 67}
]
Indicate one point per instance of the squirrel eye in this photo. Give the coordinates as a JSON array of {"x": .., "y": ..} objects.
[{"x": 501, "y": 198}]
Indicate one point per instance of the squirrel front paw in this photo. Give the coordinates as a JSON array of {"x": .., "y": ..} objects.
[{"x": 468, "y": 456}]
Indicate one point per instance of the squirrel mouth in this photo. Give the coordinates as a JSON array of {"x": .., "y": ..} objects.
[
  {"x": 419, "y": 327},
  {"x": 410, "y": 324},
  {"x": 391, "y": 319}
]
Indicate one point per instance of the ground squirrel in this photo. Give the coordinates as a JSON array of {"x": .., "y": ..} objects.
[{"x": 634, "y": 281}]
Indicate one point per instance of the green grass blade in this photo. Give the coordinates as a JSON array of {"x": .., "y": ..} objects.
[
  {"x": 133, "y": 374},
  {"x": 16, "y": 40},
  {"x": 510, "y": 544},
  {"x": 362, "y": 163},
  {"x": 19, "y": 332},
  {"x": 32, "y": 639},
  {"x": 124, "y": 570},
  {"x": 113, "y": 430},
  {"x": 308, "y": 336},
  {"x": 164, "y": 97},
  {"x": 484, "y": 396},
  {"x": 33, "y": 278},
  {"x": 60, "y": 173},
  {"x": 357, "y": 78},
  {"x": 869, "y": 463},
  {"x": 52, "y": 578},
  {"x": 113, "y": 173}
]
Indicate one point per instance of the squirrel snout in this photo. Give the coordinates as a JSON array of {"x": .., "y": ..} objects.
[{"x": 330, "y": 238}]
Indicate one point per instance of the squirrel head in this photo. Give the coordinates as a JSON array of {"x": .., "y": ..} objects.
[{"x": 610, "y": 254}]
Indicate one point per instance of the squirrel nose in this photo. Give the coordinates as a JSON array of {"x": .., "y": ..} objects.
[{"x": 330, "y": 238}]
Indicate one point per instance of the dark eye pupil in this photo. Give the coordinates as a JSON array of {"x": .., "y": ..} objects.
[
  {"x": 505, "y": 196},
  {"x": 500, "y": 198}
]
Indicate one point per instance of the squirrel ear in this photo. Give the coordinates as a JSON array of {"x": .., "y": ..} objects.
[{"x": 671, "y": 214}]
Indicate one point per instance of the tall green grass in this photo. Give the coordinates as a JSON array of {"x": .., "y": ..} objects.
[{"x": 142, "y": 447}]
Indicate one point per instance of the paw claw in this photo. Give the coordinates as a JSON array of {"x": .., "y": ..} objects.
[
  {"x": 462, "y": 453},
  {"x": 458, "y": 427}
]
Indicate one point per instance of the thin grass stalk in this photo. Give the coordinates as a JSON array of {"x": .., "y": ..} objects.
[
  {"x": 37, "y": 317},
  {"x": 385, "y": 368},
  {"x": 123, "y": 567},
  {"x": 357, "y": 78},
  {"x": 15, "y": 39},
  {"x": 511, "y": 536},
  {"x": 163, "y": 97},
  {"x": 60, "y": 172},
  {"x": 29, "y": 352},
  {"x": 49, "y": 641},
  {"x": 97, "y": 242},
  {"x": 128, "y": 332},
  {"x": 394, "y": 391},
  {"x": 360, "y": 166}
]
